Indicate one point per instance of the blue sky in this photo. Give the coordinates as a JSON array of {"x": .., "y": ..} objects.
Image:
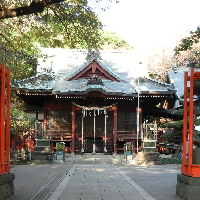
[{"x": 147, "y": 24}]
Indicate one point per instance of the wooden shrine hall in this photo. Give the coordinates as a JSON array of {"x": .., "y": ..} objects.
[{"x": 89, "y": 99}]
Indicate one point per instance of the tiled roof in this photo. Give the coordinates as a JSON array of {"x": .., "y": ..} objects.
[
  {"x": 108, "y": 86},
  {"x": 64, "y": 64}
]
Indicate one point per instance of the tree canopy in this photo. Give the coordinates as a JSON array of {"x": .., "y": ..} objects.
[
  {"x": 188, "y": 42},
  {"x": 187, "y": 52},
  {"x": 27, "y": 24}
]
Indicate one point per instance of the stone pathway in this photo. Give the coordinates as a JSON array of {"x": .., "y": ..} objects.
[{"x": 102, "y": 182}]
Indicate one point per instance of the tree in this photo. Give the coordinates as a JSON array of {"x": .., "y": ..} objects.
[
  {"x": 110, "y": 40},
  {"x": 27, "y": 24},
  {"x": 159, "y": 63},
  {"x": 187, "y": 52},
  {"x": 174, "y": 129},
  {"x": 188, "y": 42},
  {"x": 19, "y": 120}
]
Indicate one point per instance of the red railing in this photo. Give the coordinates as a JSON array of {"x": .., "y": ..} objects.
[{"x": 4, "y": 120}]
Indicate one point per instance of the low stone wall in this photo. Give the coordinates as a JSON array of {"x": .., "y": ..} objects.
[
  {"x": 6, "y": 185},
  {"x": 188, "y": 187}
]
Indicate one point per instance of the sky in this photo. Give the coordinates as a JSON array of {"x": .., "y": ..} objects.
[{"x": 149, "y": 24}]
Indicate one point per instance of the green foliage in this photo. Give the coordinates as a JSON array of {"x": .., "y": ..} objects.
[
  {"x": 174, "y": 124},
  {"x": 173, "y": 128},
  {"x": 20, "y": 121},
  {"x": 69, "y": 24},
  {"x": 110, "y": 40},
  {"x": 66, "y": 24},
  {"x": 171, "y": 160},
  {"x": 178, "y": 112},
  {"x": 60, "y": 146},
  {"x": 169, "y": 134},
  {"x": 187, "y": 52},
  {"x": 188, "y": 42}
]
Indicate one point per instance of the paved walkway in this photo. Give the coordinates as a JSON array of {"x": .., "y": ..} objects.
[{"x": 95, "y": 181}]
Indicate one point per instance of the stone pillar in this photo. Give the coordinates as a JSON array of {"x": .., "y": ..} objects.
[
  {"x": 6, "y": 185},
  {"x": 188, "y": 187}
]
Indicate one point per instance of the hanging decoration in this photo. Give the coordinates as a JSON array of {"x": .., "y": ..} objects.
[{"x": 102, "y": 109}]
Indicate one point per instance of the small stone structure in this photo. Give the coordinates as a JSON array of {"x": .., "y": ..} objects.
[
  {"x": 6, "y": 185},
  {"x": 148, "y": 156},
  {"x": 188, "y": 187},
  {"x": 43, "y": 151}
]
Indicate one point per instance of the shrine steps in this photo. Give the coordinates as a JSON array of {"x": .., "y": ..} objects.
[{"x": 97, "y": 158}]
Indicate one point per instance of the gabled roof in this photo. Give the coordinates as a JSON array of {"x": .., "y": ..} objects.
[
  {"x": 93, "y": 66},
  {"x": 64, "y": 72}
]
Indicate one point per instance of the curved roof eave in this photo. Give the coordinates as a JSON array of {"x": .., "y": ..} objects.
[{"x": 119, "y": 93}]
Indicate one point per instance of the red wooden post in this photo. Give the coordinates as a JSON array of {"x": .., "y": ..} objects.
[
  {"x": 115, "y": 130},
  {"x": 4, "y": 120},
  {"x": 2, "y": 112},
  {"x": 7, "y": 165},
  {"x": 188, "y": 168},
  {"x": 73, "y": 128},
  {"x": 191, "y": 120},
  {"x": 185, "y": 123}
]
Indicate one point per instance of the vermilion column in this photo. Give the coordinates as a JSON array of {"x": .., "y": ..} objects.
[
  {"x": 73, "y": 128},
  {"x": 7, "y": 164},
  {"x": 4, "y": 120},
  {"x": 115, "y": 130},
  {"x": 185, "y": 124},
  {"x": 2, "y": 117}
]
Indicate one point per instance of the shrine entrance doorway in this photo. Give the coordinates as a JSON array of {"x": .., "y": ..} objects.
[
  {"x": 93, "y": 130},
  {"x": 89, "y": 145}
]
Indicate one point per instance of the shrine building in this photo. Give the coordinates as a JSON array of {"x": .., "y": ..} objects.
[{"x": 89, "y": 99}]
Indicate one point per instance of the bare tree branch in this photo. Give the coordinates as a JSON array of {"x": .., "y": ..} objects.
[{"x": 34, "y": 7}]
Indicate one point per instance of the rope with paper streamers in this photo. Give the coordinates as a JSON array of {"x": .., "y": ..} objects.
[{"x": 84, "y": 108}]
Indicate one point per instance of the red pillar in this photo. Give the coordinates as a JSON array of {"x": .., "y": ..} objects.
[
  {"x": 2, "y": 117},
  {"x": 191, "y": 119},
  {"x": 4, "y": 120},
  {"x": 7, "y": 165},
  {"x": 73, "y": 128},
  {"x": 185, "y": 124},
  {"x": 115, "y": 130},
  {"x": 188, "y": 168}
]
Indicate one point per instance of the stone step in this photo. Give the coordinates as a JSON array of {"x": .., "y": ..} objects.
[{"x": 98, "y": 159}]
